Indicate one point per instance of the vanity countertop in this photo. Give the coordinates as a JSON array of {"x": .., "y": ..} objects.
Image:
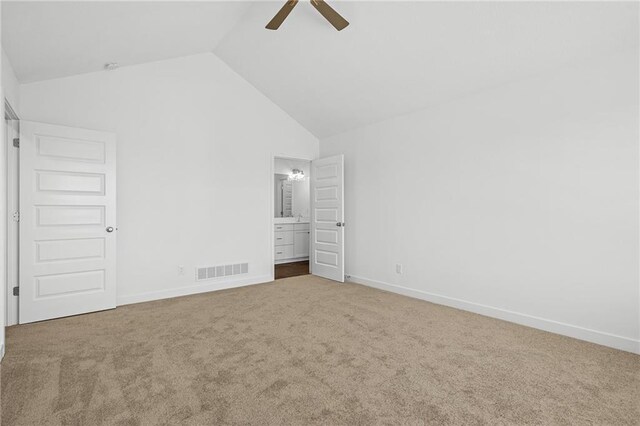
[{"x": 279, "y": 220}]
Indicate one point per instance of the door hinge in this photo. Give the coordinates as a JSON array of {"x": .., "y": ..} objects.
[
  {"x": 16, "y": 142},
  {"x": 16, "y": 216},
  {"x": 16, "y": 291}
]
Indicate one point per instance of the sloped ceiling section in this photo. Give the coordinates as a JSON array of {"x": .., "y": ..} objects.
[
  {"x": 53, "y": 39},
  {"x": 399, "y": 57},
  {"x": 394, "y": 58}
]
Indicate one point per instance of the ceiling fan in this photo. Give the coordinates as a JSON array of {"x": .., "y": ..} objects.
[{"x": 325, "y": 10}]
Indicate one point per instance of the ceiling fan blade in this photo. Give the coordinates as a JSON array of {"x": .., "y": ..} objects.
[
  {"x": 330, "y": 15},
  {"x": 282, "y": 14}
]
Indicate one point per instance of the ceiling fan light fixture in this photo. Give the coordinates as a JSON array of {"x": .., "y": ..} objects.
[
  {"x": 282, "y": 14},
  {"x": 334, "y": 18},
  {"x": 325, "y": 10}
]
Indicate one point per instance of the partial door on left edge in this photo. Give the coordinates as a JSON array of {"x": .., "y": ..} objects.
[{"x": 67, "y": 221}]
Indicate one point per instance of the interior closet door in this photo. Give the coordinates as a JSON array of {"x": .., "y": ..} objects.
[
  {"x": 327, "y": 218},
  {"x": 67, "y": 221}
]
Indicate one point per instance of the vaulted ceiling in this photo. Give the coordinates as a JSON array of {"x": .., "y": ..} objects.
[
  {"x": 398, "y": 57},
  {"x": 50, "y": 39},
  {"x": 394, "y": 58}
]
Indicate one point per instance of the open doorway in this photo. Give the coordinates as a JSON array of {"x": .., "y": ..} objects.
[{"x": 291, "y": 211}]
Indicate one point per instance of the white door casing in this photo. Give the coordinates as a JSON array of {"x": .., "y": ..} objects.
[
  {"x": 327, "y": 218},
  {"x": 13, "y": 227},
  {"x": 67, "y": 202}
]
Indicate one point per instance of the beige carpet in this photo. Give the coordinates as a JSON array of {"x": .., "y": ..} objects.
[{"x": 304, "y": 351}]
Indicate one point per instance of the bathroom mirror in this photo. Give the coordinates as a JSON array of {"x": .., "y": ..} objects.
[{"x": 291, "y": 188}]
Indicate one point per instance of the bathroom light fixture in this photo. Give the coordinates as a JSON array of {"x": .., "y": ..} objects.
[{"x": 296, "y": 174}]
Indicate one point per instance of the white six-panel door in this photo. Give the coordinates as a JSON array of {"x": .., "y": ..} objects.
[
  {"x": 67, "y": 221},
  {"x": 327, "y": 218}
]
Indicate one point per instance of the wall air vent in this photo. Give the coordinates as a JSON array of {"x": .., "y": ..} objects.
[{"x": 211, "y": 272}]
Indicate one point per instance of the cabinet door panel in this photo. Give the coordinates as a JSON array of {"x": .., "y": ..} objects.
[{"x": 301, "y": 243}]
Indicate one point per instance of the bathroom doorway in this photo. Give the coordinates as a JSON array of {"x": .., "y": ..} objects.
[{"x": 291, "y": 211}]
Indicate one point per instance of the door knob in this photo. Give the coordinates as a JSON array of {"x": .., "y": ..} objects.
[
  {"x": 340, "y": 224},
  {"x": 110, "y": 229}
]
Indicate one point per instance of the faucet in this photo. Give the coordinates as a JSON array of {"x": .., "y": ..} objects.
[{"x": 298, "y": 217}]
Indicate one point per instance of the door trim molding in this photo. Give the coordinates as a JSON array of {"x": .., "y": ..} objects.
[{"x": 12, "y": 236}]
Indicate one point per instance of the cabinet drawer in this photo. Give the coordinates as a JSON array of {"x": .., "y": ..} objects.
[
  {"x": 284, "y": 252},
  {"x": 301, "y": 226},
  {"x": 283, "y": 238},
  {"x": 283, "y": 227}
]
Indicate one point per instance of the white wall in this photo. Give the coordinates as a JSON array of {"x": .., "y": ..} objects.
[
  {"x": 10, "y": 84},
  {"x": 9, "y": 91},
  {"x": 519, "y": 202},
  {"x": 195, "y": 148}
]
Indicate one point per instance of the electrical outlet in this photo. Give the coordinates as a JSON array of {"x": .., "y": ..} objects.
[
  {"x": 180, "y": 270},
  {"x": 398, "y": 268}
]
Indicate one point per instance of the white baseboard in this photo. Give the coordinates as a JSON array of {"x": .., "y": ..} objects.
[
  {"x": 293, "y": 259},
  {"x": 213, "y": 285},
  {"x": 593, "y": 336},
  {"x": 1, "y": 351}
]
